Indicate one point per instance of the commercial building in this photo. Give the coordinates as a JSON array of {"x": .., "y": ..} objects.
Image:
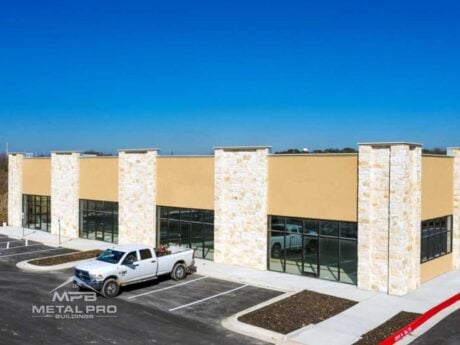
[{"x": 386, "y": 218}]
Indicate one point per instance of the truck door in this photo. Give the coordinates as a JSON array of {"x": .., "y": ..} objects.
[
  {"x": 129, "y": 268},
  {"x": 147, "y": 264}
]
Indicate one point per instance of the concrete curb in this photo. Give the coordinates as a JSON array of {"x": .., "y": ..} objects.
[
  {"x": 231, "y": 323},
  {"x": 429, "y": 324},
  {"x": 26, "y": 266}
]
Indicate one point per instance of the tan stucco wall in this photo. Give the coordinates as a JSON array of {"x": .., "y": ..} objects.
[
  {"x": 36, "y": 176},
  {"x": 436, "y": 267},
  {"x": 437, "y": 186},
  {"x": 185, "y": 182},
  {"x": 313, "y": 186},
  {"x": 99, "y": 178}
]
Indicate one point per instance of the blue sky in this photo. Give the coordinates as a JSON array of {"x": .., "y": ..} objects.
[{"x": 188, "y": 75}]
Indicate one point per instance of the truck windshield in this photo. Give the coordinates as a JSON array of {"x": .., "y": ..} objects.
[{"x": 110, "y": 256}]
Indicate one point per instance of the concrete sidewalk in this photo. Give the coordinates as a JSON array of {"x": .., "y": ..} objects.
[
  {"x": 345, "y": 328},
  {"x": 53, "y": 240},
  {"x": 372, "y": 310}
]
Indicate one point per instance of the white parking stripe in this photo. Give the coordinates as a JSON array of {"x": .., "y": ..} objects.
[
  {"x": 30, "y": 245},
  {"x": 207, "y": 298},
  {"x": 166, "y": 288},
  {"x": 12, "y": 241},
  {"x": 25, "y": 253}
]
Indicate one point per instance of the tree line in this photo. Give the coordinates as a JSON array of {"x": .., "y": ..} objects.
[{"x": 434, "y": 151}]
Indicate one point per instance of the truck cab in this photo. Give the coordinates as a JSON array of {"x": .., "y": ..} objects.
[{"x": 130, "y": 264}]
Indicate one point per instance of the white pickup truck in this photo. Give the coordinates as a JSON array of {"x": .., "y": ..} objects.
[{"x": 130, "y": 264}]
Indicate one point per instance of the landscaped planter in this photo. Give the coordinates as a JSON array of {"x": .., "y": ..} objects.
[
  {"x": 387, "y": 328},
  {"x": 297, "y": 311},
  {"x": 279, "y": 319},
  {"x": 58, "y": 262}
]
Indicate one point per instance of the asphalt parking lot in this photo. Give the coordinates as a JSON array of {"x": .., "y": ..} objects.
[
  {"x": 446, "y": 332},
  {"x": 14, "y": 250},
  {"x": 197, "y": 297},
  {"x": 158, "y": 312}
]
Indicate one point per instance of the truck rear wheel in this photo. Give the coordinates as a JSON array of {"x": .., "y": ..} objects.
[
  {"x": 111, "y": 288},
  {"x": 276, "y": 251},
  {"x": 179, "y": 272}
]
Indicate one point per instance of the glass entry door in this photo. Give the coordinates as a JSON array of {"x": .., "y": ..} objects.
[
  {"x": 192, "y": 228},
  {"x": 99, "y": 220},
  {"x": 99, "y": 231},
  {"x": 36, "y": 209}
]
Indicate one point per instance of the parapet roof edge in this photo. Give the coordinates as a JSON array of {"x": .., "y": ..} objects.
[
  {"x": 319, "y": 154},
  {"x": 185, "y": 156},
  {"x": 236, "y": 148},
  {"x": 66, "y": 151},
  {"x": 140, "y": 150},
  {"x": 89, "y": 157},
  {"x": 390, "y": 143},
  {"x": 436, "y": 155}
]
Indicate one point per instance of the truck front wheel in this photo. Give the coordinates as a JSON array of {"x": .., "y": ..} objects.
[
  {"x": 111, "y": 288},
  {"x": 179, "y": 272}
]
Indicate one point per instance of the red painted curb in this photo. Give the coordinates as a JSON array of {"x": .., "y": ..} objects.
[{"x": 401, "y": 333}]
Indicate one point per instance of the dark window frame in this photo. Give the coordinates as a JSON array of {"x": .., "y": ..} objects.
[
  {"x": 187, "y": 218},
  {"x": 318, "y": 236},
  {"x": 433, "y": 233},
  {"x": 36, "y": 203},
  {"x": 90, "y": 211}
]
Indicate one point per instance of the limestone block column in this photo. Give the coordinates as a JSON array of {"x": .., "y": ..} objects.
[
  {"x": 15, "y": 189},
  {"x": 137, "y": 196},
  {"x": 240, "y": 209},
  {"x": 455, "y": 152},
  {"x": 405, "y": 218},
  {"x": 389, "y": 217},
  {"x": 65, "y": 189}
]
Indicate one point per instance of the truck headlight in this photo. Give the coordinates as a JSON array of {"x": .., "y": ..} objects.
[{"x": 96, "y": 276}]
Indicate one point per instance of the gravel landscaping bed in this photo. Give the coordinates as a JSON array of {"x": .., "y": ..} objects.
[
  {"x": 62, "y": 259},
  {"x": 297, "y": 311},
  {"x": 388, "y": 328}
]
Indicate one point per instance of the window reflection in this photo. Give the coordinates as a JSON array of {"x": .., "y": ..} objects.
[
  {"x": 99, "y": 220},
  {"x": 191, "y": 228},
  {"x": 328, "y": 228},
  {"x": 311, "y": 227},
  {"x": 37, "y": 212},
  {"x": 348, "y": 230},
  {"x": 321, "y": 248},
  {"x": 436, "y": 238}
]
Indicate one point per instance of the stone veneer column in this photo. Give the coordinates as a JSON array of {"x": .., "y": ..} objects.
[
  {"x": 455, "y": 152},
  {"x": 137, "y": 196},
  {"x": 15, "y": 189},
  {"x": 240, "y": 214},
  {"x": 389, "y": 217},
  {"x": 65, "y": 190}
]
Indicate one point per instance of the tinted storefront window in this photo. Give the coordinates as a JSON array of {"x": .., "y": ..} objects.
[
  {"x": 99, "y": 220},
  {"x": 321, "y": 248},
  {"x": 436, "y": 238},
  {"x": 191, "y": 228},
  {"x": 37, "y": 212}
]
